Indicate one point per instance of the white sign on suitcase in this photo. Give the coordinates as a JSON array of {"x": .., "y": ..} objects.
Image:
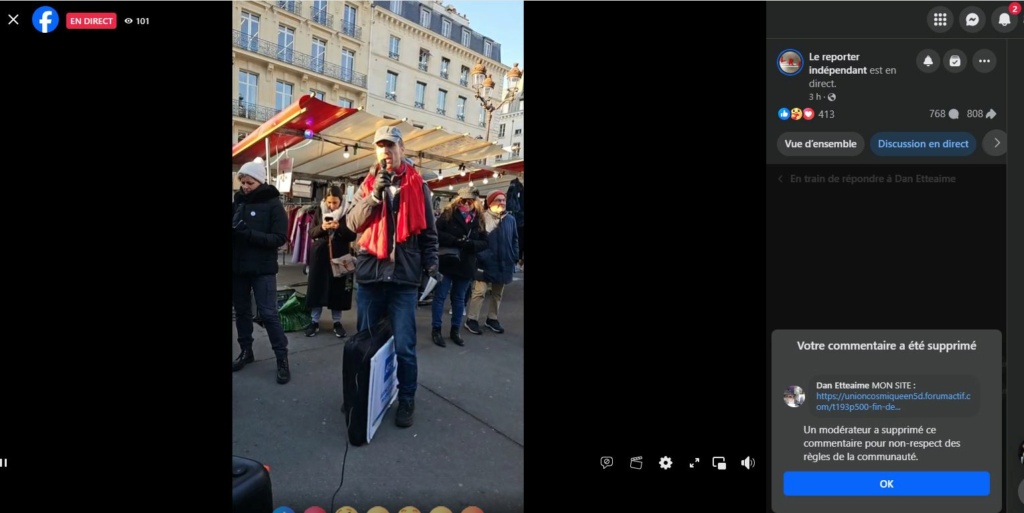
[{"x": 383, "y": 386}]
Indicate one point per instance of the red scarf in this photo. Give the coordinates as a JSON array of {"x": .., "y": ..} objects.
[{"x": 411, "y": 212}]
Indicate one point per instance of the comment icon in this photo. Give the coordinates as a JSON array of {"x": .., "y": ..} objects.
[{"x": 606, "y": 461}]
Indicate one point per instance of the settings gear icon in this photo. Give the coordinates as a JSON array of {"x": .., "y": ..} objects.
[{"x": 665, "y": 462}]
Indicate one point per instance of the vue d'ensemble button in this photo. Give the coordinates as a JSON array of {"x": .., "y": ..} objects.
[{"x": 821, "y": 144}]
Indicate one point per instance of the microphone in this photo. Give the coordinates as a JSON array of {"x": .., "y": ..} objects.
[{"x": 390, "y": 175}]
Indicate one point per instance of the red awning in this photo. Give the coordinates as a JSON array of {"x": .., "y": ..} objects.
[
  {"x": 286, "y": 128},
  {"x": 515, "y": 167}
]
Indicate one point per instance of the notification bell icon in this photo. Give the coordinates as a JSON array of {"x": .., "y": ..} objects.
[
  {"x": 928, "y": 60},
  {"x": 1004, "y": 19}
]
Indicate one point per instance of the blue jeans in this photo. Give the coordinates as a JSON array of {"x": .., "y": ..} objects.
[
  {"x": 458, "y": 288},
  {"x": 264, "y": 289},
  {"x": 315, "y": 314},
  {"x": 398, "y": 302}
]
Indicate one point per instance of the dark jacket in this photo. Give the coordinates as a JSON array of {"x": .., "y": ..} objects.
[
  {"x": 412, "y": 257},
  {"x": 497, "y": 263},
  {"x": 451, "y": 228},
  {"x": 254, "y": 249},
  {"x": 323, "y": 289},
  {"x": 515, "y": 201}
]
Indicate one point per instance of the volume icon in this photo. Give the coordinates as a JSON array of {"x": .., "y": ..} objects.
[{"x": 747, "y": 463}]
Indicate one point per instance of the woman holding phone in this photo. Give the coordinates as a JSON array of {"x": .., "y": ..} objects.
[{"x": 330, "y": 236}]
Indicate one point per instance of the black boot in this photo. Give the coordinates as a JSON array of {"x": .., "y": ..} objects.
[
  {"x": 243, "y": 358},
  {"x": 435, "y": 335},
  {"x": 454, "y": 335},
  {"x": 406, "y": 408},
  {"x": 283, "y": 374}
]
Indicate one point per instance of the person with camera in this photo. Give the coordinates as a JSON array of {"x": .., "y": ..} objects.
[
  {"x": 324, "y": 289},
  {"x": 397, "y": 244},
  {"x": 460, "y": 235},
  {"x": 260, "y": 227}
]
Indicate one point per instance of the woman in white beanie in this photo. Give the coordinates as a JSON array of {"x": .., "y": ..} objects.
[{"x": 260, "y": 227}]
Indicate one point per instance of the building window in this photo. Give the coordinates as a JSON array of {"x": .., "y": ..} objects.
[
  {"x": 393, "y": 47},
  {"x": 481, "y": 120},
  {"x": 247, "y": 83},
  {"x": 396, "y": 7},
  {"x": 515, "y": 150},
  {"x": 417, "y": 126},
  {"x": 464, "y": 77},
  {"x": 467, "y": 36},
  {"x": 460, "y": 109},
  {"x": 345, "y": 102},
  {"x": 446, "y": 28},
  {"x": 348, "y": 21},
  {"x": 391, "y": 88},
  {"x": 251, "y": 31},
  {"x": 348, "y": 63},
  {"x": 421, "y": 93},
  {"x": 444, "y": 67},
  {"x": 319, "y": 52},
  {"x": 487, "y": 49},
  {"x": 442, "y": 98},
  {"x": 425, "y": 17},
  {"x": 501, "y": 130},
  {"x": 285, "y": 43},
  {"x": 519, "y": 131},
  {"x": 283, "y": 95},
  {"x": 320, "y": 12},
  {"x": 242, "y": 136},
  {"x": 424, "y": 58},
  {"x": 319, "y": 95}
]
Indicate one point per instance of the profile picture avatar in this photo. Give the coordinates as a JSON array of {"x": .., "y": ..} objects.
[
  {"x": 790, "y": 62},
  {"x": 793, "y": 396}
]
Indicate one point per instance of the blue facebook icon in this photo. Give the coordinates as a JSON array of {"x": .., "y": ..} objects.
[{"x": 45, "y": 19}]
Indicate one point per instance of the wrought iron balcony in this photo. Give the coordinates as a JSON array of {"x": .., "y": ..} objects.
[
  {"x": 299, "y": 59},
  {"x": 440, "y": 111},
  {"x": 423, "y": 66},
  {"x": 483, "y": 124},
  {"x": 391, "y": 96},
  {"x": 248, "y": 110},
  {"x": 393, "y": 55},
  {"x": 291, "y": 6},
  {"x": 321, "y": 16},
  {"x": 461, "y": 117},
  {"x": 444, "y": 74},
  {"x": 352, "y": 30},
  {"x": 464, "y": 82},
  {"x": 419, "y": 105}
]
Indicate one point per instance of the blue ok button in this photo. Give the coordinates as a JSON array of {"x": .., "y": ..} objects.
[{"x": 892, "y": 484}]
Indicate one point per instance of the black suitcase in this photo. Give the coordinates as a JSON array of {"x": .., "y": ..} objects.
[
  {"x": 250, "y": 487},
  {"x": 355, "y": 377}
]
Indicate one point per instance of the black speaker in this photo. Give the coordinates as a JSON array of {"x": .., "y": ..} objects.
[{"x": 250, "y": 487}]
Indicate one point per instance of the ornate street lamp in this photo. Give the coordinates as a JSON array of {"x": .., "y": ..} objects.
[{"x": 483, "y": 84}]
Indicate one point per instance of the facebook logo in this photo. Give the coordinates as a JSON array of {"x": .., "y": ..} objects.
[{"x": 45, "y": 19}]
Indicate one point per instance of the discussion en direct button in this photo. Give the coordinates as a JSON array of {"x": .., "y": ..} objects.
[
  {"x": 923, "y": 144},
  {"x": 918, "y": 484},
  {"x": 90, "y": 20},
  {"x": 820, "y": 144}
]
